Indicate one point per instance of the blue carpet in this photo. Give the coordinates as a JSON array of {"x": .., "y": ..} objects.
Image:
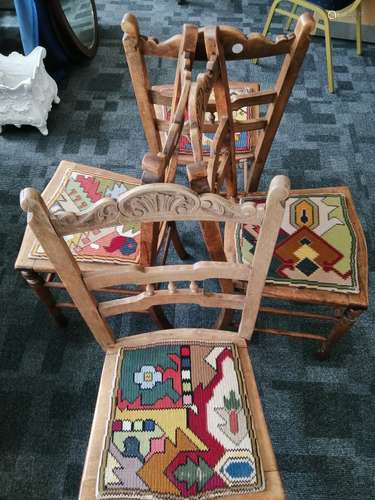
[{"x": 320, "y": 415}]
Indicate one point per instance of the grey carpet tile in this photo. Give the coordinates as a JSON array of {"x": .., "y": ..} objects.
[{"x": 320, "y": 415}]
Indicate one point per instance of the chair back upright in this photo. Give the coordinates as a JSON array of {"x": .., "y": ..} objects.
[{"x": 157, "y": 203}]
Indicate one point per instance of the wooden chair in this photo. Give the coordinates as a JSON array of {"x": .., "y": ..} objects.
[
  {"x": 325, "y": 11},
  {"x": 77, "y": 187},
  {"x": 257, "y": 132},
  {"x": 319, "y": 271},
  {"x": 320, "y": 261},
  {"x": 178, "y": 410}
]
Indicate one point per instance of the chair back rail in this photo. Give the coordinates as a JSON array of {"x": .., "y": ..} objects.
[
  {"x": 158, "y": 203},
  {"x": 154, "y": 203},
  {"x": 140, "y": 275},
  {"x": 143, "y": 301},
  {"x": 250, "y": 46}
]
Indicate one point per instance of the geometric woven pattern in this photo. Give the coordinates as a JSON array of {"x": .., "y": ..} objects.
[
  {"x": 180, "y": 425},
  {"x": 316, "y": 247},
  {"x": 77, "y": 193}
]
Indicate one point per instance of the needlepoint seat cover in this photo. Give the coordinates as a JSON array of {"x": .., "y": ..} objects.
[
  {"x": 317, "y": 246},
  {"x": 180, "y": 425},
  {"x": 75, "y": 188}
]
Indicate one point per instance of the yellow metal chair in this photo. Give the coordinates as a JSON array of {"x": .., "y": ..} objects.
[{"x": 324, "y": 15}]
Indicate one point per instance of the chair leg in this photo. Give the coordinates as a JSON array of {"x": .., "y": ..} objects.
[
  {"x": 290, "y": 19},
  {"x": 177, "y": 243},
  {"x": 36, "y": 282},
  {"x": 246, "y": 168},
  {"x": 214, "y": 244},
  {"x": 157, "y": 314},
  {"x": 254, "y": 175},
  {"x": 358, "y": 14},
  {"x": 170, "y": 233},
  {"x": 341, "y": 327},
  {"x": 165, "y": 244},
  {"x": 327, "y": 35},
  {"x": 271, "y": 13}
]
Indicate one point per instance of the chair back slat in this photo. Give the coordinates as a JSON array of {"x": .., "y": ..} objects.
[
  {"x": 253, "y": 99},
  {"x": 143, "y": 301},
  {"x": 139, "y": 275},
  {"x": 164, "y": 97}
]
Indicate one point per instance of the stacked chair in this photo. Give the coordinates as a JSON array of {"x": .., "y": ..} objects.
[
  {"x": 253, "y": 134},
  {"x": 178, "y": 413}
]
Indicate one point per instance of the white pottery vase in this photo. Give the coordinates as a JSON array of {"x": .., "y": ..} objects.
[{"x": 26, "y": 90}]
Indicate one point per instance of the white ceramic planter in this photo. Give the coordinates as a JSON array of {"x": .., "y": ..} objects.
[{"x": 26, "y": 90}]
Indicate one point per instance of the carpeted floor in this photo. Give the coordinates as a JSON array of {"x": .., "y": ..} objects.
[{"x": 320, "y": 415}]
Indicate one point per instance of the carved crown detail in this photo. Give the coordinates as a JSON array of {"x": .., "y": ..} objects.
[{"x": 157, "y": 202}]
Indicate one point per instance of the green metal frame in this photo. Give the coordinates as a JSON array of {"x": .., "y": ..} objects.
[{"x": 323, "y": 19}]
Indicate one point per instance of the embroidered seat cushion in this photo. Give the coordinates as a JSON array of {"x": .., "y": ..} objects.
[
  {"x": 316, "y": 247},
  {"x": 179, "y": 425},
  {"x": 77, "y": 192},
  {"x": 244, "y": 142}
]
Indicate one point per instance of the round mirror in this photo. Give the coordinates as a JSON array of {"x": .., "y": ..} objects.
[{"x": 76, "y": 26}]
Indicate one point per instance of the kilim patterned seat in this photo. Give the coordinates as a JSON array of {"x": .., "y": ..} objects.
[
  {"x": 184, "y": 422},
  {"x": 316, "y": 247},
  {"x": 320, "y": 257},
  {"x": 76, "y": 188},
  {"x": 178, "y": 414}
]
